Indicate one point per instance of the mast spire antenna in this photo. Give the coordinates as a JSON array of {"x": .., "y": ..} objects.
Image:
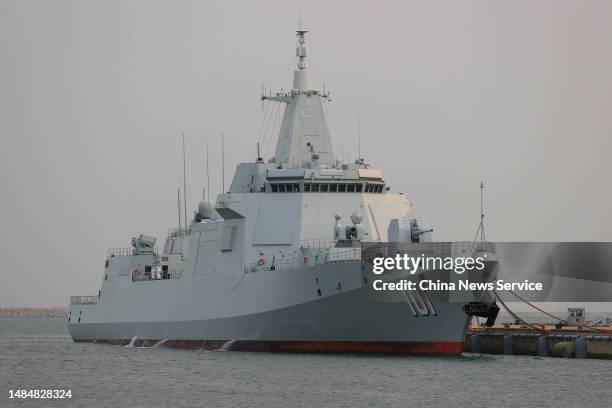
[
  {"x": 481, "y": 228},
  {"x": 359, "y": 138},
  {"x": 481, "y": 200},
  {"x": 184, "y": 183},
  {"x": 207, "y": 174},
  {"x": 223, "y": 163},
  {"x": 302, "y": 49},
  {"x": 178, "y": 200}
]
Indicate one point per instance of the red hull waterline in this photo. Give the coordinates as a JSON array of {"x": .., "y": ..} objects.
[{"x": 425, "y": 348}]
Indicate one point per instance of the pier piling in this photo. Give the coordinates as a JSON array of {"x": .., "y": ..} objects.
[
  {"x": 508, "y": 344},
  {"x": 543, "y": 346}
]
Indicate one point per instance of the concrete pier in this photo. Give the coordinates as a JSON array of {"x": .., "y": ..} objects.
[{"x": 548, "y": 341}]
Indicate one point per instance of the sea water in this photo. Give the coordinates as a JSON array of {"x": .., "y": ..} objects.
[{"x": 37, "y": 353}]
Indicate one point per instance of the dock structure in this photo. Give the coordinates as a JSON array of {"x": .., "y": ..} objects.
[{"x": 547, "y": 341}]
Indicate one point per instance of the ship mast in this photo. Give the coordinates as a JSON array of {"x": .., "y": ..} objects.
[
  {"x": 304, "y": 139},
  {"x": 480, "y": 232}
]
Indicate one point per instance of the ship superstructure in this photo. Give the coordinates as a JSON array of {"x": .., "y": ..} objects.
[{"x": 274, "y": 262}]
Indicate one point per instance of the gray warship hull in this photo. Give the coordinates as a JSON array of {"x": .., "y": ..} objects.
[
  {"x": 273, "y": 263},
  {"x": 340, "y": 319}
]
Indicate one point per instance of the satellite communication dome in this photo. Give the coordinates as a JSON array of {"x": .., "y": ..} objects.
[
  {"x": 356, "y": 217},
  {"x": 206, "y": 208}
]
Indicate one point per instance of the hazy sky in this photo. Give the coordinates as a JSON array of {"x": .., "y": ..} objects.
[{"x": 94, "y": 96}]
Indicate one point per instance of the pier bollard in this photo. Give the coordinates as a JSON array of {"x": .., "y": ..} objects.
[
  {"x": 475, "y": 343},
  {"x": 543, "y": 346},
  {"x": 508, "y": 344},
  {"x": 580, "y": 347}
]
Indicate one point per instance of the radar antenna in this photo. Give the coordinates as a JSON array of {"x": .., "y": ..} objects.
[{"x": 302, "y": 50}]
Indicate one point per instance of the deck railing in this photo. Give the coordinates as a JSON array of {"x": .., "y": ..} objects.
[
  {"x": 114, "y": 252},
  {"x": 306, "y": 261},
  {"x": 126, "y": 251},
  {"x": 83, "y": 300},
  {"x": 326, "y": 251},
  {"x": 324, "y": 243}
]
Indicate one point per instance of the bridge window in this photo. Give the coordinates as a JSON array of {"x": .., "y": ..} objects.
[
  {"x": 374, "y": 188},
  {"x": 325, "y": 187}
]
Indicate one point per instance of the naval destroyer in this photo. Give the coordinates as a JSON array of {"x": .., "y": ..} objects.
[{"x": 274, "y": 263}]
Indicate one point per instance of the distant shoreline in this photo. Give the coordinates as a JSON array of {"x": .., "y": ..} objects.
[{"x": 34, "y": 312}]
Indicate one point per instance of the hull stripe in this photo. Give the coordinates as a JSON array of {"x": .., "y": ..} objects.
[{"x": 426, "y": 348}]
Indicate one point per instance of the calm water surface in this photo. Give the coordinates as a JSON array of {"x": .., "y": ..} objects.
[{"x": 37, "y": 353}]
